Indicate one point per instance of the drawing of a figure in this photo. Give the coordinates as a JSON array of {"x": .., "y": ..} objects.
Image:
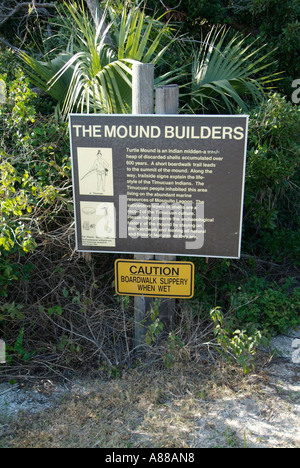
[{"x": 101, "y": 168}]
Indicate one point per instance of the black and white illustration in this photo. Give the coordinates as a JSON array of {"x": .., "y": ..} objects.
[
  {"x": 95, "y": 171},
  {"x": 98, "y": 224}
]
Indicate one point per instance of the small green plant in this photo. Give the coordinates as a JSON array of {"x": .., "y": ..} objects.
[
  {"x": 174, "y": 344},
  {"x": 115, "y": 372},
  {"x": 155, "y": 328},
  {"x": 238, "y": 344},
  {"x": 18, "y": 350},
  {"x": 11, "y": 311},
  {"x": 55, "y": 310}
]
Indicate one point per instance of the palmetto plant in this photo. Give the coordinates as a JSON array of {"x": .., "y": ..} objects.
[
  {"x": 93, "y": 74},
  {"x": 225, "y": 72}
]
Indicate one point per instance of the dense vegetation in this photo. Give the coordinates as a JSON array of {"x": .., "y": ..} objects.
[
  {"x": 59, "y": 311},
  {"x": 271, "y": 22}
]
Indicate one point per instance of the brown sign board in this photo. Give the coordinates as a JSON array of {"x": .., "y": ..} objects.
[{"x": 159, "y": 184}]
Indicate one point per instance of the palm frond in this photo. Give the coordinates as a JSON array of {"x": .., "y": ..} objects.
[
  {"x": 41, "y": 73},
  {"x": 223, "y": 73},
  {"x": 93, "y": 75},
  {"x": 138, "y": 36}
]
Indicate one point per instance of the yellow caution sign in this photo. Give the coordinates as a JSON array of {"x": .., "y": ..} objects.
[{"x": 154, "y": 278}]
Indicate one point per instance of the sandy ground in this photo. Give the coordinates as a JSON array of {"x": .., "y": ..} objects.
[{"x": 178, "y": 408}]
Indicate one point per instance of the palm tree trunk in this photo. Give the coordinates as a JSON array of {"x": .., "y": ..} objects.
[
  {"x": 96, "y": 13},
  {"x": 94, "y": 8}
]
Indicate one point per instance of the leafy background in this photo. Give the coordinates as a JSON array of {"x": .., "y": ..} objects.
[{"x": 58, "y": 310}]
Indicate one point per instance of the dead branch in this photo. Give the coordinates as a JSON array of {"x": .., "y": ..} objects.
[
  {"x": 7, "y": 44},
  {"x": 23, "y": 5}
]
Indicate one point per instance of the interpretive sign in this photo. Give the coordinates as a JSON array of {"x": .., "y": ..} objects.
[
  {"x": 154, "y": 278},
  {"x": 159, "y": 184}
]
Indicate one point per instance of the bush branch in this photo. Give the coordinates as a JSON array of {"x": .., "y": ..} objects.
[{"x": 22, "y": 5}]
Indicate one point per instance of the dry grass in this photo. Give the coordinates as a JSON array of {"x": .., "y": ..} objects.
[
  {"x": 157, "y": 408},
  {"x": 147, "y": 406}
]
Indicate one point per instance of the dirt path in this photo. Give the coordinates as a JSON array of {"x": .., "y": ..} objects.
[{"x": 189, "y": 406}]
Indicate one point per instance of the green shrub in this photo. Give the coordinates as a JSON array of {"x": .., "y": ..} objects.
[
  {"x": 237, "y": 344},
  {"x": 271, "y": 22},
  {"x": 33, "y": 167},
  {"x": 271, "y": 307},
  {"x": 271, "y": 214}
]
